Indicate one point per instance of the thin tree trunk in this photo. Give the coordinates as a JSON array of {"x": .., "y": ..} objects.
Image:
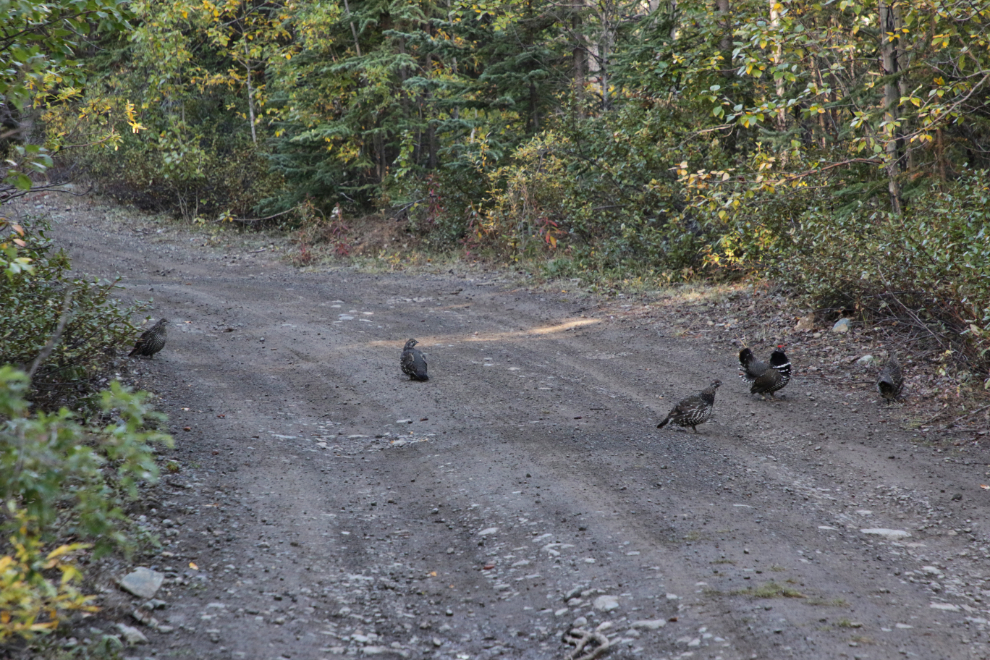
[
  {"x": 725, "y": 48},
  {"x": 250, "y": 91},
  {"x": 431, "y": 129},
  {"x": 778, "y": 57},
  {"x": 580, "y": 57},
  {"x": 903, "y": 63},
  {"x": 357, "y": 45},
  {"x": 534, "y": 109},
  {"x": 891, "y": 97}
]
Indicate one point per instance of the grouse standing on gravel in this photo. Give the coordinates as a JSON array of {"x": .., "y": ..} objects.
[
  {"x": 152, "y": 340},
  {"x": 765, "y": 378},
  {"x": 693, "y": 410},
  {"x": 413, "y": 362},
  {"x": 891, "y": 380}
]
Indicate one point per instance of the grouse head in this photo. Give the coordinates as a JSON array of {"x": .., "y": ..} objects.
[
  {"x": 746, "y": 356},
  {"x": 778, "y": 358},
  {"x": 410, "y": 344}
]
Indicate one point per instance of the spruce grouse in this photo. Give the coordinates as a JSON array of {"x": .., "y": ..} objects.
[
  {"x": 413, "y": 362},
  {"x": 693, "y": 410},
  {"x": 765, "y": 378},
  {"x": 891, "y": 380},
  {"x": 152, "y": 340}
]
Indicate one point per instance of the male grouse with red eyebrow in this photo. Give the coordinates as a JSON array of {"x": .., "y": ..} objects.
[
  {"x": 765, "y": 378},
  {"x": 693, "y": 410}
]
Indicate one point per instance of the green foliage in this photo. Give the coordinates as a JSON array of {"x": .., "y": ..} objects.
[
  {"x": 70, "y": 478},
  {"x": 696, "y": 138},
  {"x": 598, "y": 190},
  {"x": 40, "y": 50},
  {"x": 928, "y": 267},
  {"x": 60, "y": 478},
  {"x": 32, "y": 295},
  {"x": 31, "y": 603}
]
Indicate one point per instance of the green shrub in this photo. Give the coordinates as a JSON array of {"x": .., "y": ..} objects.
[
  {"x": 928, "y": 268},
  {"x": 31, "y": 602},
  {"x": 70, "y": 478},
  {"x": 33, "y": 290},
  {"x": 63, "y": 479},
  {"x": 600, "y": 190}
]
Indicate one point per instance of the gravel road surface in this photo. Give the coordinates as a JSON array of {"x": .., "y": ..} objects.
[{"x": 332, "y": 507}]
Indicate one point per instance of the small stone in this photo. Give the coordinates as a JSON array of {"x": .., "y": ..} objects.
[
  {"x": 579, "y": 622},
  {"x": 606, "y": 603},
  {"x": 142, "y": 582},
  {"x": 865, "y": 361},
  {"x": 131, "y": 634},
  {"x": 437, "y": 642},
  {"x": 374, "y": 650},
  {"x": 650, "y": 624},
  {"x": 948, "y": 607},
  {"x": 842, "y": 325},
  {"x": 165, "y": 629},
  {"x": 805, "y": 324},
  {"x": 562, "y": 611},
  {"x": 488, "y": 532},
  {"x": 892, "y": 534}
]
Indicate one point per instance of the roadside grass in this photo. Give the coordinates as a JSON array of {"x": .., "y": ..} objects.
[{"x": 769, "y": 590}]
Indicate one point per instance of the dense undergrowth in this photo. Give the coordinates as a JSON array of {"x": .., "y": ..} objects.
[{"x": 71, "y": 455}]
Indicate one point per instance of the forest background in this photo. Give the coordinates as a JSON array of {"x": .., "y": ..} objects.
[{"x": 838, "y": 148}]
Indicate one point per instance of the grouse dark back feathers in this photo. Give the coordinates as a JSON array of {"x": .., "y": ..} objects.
[
  {"x": 693, "y": 410},
  {"x": 891, "y": 380},
  {"x": 413, "y": 362},
  {"x": 765, "y": 378},
  {"x": 151, "y": 340}
]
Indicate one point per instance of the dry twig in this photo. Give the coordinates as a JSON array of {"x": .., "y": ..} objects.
[{"x": 582, "y": 639}]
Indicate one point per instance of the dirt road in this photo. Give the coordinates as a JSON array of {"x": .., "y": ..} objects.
[{"x": 333, "y": 507}]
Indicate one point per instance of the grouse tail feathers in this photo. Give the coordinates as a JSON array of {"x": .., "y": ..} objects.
[{"x": 765, "y": 378}]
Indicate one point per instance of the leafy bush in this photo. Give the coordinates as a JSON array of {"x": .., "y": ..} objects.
[
  {"x": 58, "y": 479},
  {"x": 69, "y": 477},
  {"x": 30, "y": 602},
  {"x": 928, "y": 269},
  {"x": 600, "y": 190},
  {"x": 33, "y": 295}
]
